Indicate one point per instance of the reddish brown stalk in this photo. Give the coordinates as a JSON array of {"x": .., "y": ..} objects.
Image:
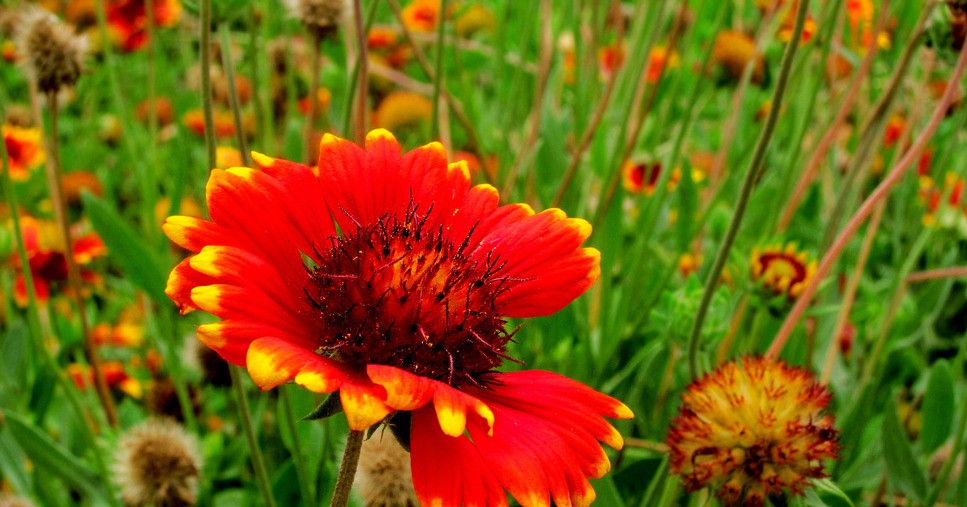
[
  {"x": 819, "y": 153},
  {"x": 315, "y": 66},
  {"x": 879, "y": 194},
  {"x": 937, "y": 274},
  {"x": 73, "y": 272},
  {"x": 849, "y": 295}
]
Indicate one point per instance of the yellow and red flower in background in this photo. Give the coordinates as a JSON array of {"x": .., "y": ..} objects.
[
  {"x": 400, "y": 306},
  {"x": 402, "y": 109},
  {"x": 642, "y": 177},
  {"x": 114, "y": 374},
  {"x": 953, "y": 209},
  {"x": 422, "y": 15},
  {"x": 47, "y": 259},
  {"x": 788, "y": 12},
  {"x": 752, "y": 429},
  {"x": 860, "y": 14},
  {"x": 733, "y": 51},
  {"x": 895, "y": 127},
  {"x": 128, "y": 20},
  {"x": 25, "y": 150},
  {"x": 224, "y": 123},
  {"x": 782, "y": 271},
  {"x": 660, "y": 60}
]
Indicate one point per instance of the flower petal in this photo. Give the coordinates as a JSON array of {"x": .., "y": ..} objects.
[
  {"x": 406, "y": 391},
  {"x": 272, "y": 362},
  {"x": 182, "y": 279},
  {"x": 193, "y": 233},
  {"x": 545, "y": 267},
  {"x": 543, "y": 446},
  {"x": 449, "y": 470}
]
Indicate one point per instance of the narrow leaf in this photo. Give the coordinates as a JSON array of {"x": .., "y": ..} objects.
[
  {"x": 901, "y": 465},
  {"x": 938, "y": 403},
  {"x": 47, "y": 455},
  {"x": 126, "y": 248}
]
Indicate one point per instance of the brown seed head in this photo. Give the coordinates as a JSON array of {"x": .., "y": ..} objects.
[
  {"x": 11, "y": 500},
  {"x": 157, "y": 463},
  {"x": 384, "y": 477},
  {"x": 320, "y": 17},
  {"x": 53, "y": 52}
]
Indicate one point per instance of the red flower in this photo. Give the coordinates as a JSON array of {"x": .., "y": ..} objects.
[
  {"x": 403, "y": 309},
  {"x": 128, "y": 20}
]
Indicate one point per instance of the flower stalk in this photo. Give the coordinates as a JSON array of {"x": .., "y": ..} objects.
[
  {"x": 880, "y": 193},
  {"x": 752, "y": 175},
  {"x": 347, "y": 469}
]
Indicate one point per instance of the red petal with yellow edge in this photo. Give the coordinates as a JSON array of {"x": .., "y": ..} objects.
[
  {"x": 272, "y": 362},
  {"x": 239, "y": 267},
  {"x": 181, "y": 281},
  {"x": 304, "y": 192},
  {"x": 231, "y": 302},
  {"x": 545, "y": 267},
  {"x": 41, "y": 291},
  {"x": 341, "y": 164},
  {"x": 231, "y": 338},
  {"x": 449, "y": 470},
  {"x": 193, "y": 233},
  {"x": 544, "y": 444},
  {"x": 362, "y": 402},
  {"x": 406, "y": 391},
  {"x": 256, "y": 210}
]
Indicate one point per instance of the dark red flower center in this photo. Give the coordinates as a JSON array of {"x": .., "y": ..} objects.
[{"x": 399, "y": 293}]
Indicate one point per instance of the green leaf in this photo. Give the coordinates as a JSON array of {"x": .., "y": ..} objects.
[
  {"x": 829, "y": 494},
  {"x": 937, "y": 412},
  {"x": 328, "y": 408},
  {"x": 50, "y": 457},
  {"x": 126, "y": 248},
  {"x": 901, "y": 465}
]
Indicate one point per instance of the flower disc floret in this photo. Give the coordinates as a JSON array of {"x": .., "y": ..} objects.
[{"x": 752, "y": 429}]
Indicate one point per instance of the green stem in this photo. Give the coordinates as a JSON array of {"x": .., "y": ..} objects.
[
  {"x": 347, "y": 470},
  {"x": 958, "y": 444},
  {"x": 258, "y": 463},
  {"x": 305, "y": 484},
  {"x": 205, "y": 41},
  {"x": 73, "y": 272},
  {"x": 438, "y": 78},
  {"x": 748, "y": 184},
  {"x": 229, "y": 66}
]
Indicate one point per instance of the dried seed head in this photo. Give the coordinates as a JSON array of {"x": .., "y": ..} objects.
[
  {"x": 53, "y": 52},
  {"x": 320, "y": 17},
  {"x": 11, "y": 500},
  {"x": 19, "y": 116},
  {"x": 157, "y": 463},
  {"x": 384, "y": 478}
]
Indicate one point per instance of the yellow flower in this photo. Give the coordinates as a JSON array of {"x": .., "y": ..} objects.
[
  {"x": 782, "y": 270},
  {"x": 402, "y": 109},
  {"x": 752, "y": 429},
  {"x": 733, "y": 51}
]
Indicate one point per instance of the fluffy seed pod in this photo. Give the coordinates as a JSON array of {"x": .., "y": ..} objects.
[
  {"x": 384, "y": 478},
  {"x": 320, "y": 17},
  {"x": 11, "y": 500},
  {"x": 157, "y": 463},
  {"x": 53, "y": 53}
]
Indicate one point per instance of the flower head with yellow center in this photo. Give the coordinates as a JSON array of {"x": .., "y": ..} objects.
[
  {"x": 24, "y": 150},
  {"x": 752, "y": 429},
  {"x": 782, "y": 270},
  {"x": 389, "y": 279}
]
